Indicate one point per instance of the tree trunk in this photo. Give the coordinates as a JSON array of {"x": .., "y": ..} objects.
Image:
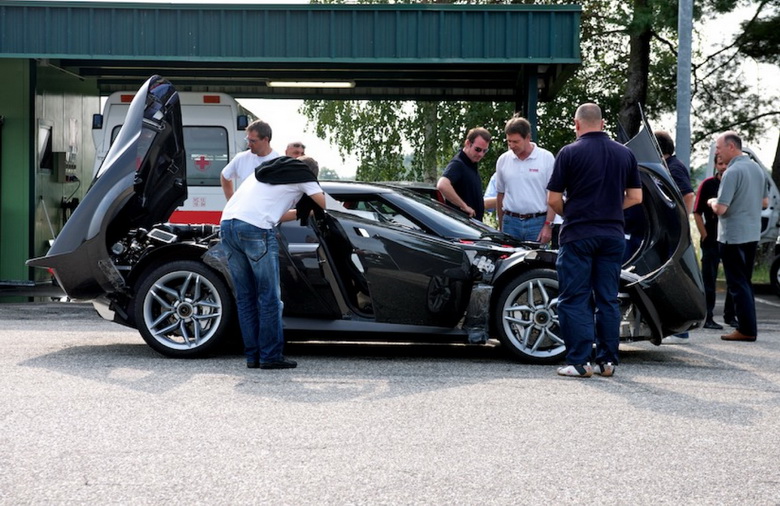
[
  {"x": 640, "y": 33},
  {"x": 429, "y": 113},
  {"x": 776, "y": 165}
]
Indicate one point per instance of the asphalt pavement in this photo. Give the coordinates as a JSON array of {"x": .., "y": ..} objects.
[{"x": 91, "y": 415}]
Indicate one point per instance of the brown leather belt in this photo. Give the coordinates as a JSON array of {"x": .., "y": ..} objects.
[{"x": 524, "y": 216}]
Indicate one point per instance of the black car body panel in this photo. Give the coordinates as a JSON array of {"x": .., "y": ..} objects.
[
  {"x": 141, "y": 182},
  {"x": 665, "y": 262},
  {"x": 382, "y": 262}
]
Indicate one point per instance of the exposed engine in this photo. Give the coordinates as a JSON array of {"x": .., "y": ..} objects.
[{"x": 128, "y": 251}]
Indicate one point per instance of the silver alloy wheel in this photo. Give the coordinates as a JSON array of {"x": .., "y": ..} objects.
[
  {"x": 774, "y": 275},
  {"x": 182, "y": 310},
  {"x": 529, "y": 318}
]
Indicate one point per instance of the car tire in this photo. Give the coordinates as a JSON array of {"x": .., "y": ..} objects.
[
  {"x": 183, "y": 309},
  {"x": 774, "y": 275},
  {"x": 526, "y": 317}
]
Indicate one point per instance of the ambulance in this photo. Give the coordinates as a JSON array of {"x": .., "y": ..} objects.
[{"x": 214, "y": 131}]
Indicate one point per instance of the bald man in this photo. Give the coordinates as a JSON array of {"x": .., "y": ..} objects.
[{"x": 600, "y": 178}]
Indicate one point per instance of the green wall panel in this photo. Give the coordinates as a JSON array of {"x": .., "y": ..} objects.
[{"x": 15, "y": 179}]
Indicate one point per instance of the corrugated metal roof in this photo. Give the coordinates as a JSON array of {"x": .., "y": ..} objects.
[{"x": 474, "y": 51}]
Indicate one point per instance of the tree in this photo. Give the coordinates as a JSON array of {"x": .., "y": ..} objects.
[
  {"x": 629, "y": 58},
  {"x": 327, "y": 173},
  {"x": 760, "y": 39}
]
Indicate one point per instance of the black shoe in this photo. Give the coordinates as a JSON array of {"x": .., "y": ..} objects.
[
  {"x": 710, "y": 324},
  {"x": 284, "y": 363},
  {"x": 733, "y": 322},
  {"x": 252, "y": 365}
]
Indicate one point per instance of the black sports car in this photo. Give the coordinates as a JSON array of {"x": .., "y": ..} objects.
[{"x": 381, "y": 263}]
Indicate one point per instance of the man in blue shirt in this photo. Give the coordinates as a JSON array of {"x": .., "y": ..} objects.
[
  {"x": 600, "y": 179},
  {"x": 741, "y": 196},
  {"x": 677, "y": 169},
  {"x": 460, "y": 183}
]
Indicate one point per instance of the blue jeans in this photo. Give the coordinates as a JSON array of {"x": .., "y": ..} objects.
[
  {"x": 254, "y": 267},
  {"x": 524, "y": 230},
  {"x": 588, "y": 307},
  {"x": 738, "y": 265}
]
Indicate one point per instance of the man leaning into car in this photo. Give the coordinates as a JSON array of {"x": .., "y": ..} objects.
[
  {"x": 600, "y": 179},
  {"x": 248, "y": 231}
]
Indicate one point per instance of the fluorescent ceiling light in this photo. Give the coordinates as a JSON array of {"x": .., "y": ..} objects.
[{"x": 310, "y": 84}]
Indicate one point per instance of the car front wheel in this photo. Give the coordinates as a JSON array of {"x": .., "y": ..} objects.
[
  {"x": 183, "y": 309},
  {"x": 774, "y": 275},
  {"x": 526, "y": 317}
]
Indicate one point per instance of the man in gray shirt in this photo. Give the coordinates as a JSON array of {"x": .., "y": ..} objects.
[{"x": 741, "y": 196}]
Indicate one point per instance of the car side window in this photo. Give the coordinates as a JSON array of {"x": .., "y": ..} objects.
[{"x": 378, "y": 210}]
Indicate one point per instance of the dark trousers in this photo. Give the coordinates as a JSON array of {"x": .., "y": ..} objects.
[
  {"x": 710, "y": 259},
  {"x": 588, "y": 306},
  {"x": 738, "y": 262}
]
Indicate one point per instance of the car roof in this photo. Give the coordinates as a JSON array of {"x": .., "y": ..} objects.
[{"x": 354, "y": 187}]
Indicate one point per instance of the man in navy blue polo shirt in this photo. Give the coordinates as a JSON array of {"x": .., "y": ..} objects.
[
  {"x": 593, "y": 181},
  {"x": 460, "y": 183}
]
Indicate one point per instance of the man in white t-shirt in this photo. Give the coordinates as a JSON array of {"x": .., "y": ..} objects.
[
  {"x": 248, "y": 233},
  {"x": 522, "y": 174},
  {"x": 258, "y": 136}
]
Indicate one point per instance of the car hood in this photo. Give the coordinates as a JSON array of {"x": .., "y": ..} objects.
[{"x": 141, "y": 182}]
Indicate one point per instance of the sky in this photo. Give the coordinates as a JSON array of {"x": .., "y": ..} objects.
[{"x": 288, "y": 125}]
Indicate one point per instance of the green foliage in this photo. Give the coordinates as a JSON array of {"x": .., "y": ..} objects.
[
  {"x": 327, "y": 173},
  {"x": 381, "y": 130},
  {"x": 761, "y": 36}
]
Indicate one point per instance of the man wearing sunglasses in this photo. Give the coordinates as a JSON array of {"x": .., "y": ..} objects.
[
  {"x": 258, "y": 138},
  {"x": 460, "y": 183}
]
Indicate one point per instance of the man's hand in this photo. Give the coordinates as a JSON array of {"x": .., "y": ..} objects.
[{"x": 545, "y": 234}]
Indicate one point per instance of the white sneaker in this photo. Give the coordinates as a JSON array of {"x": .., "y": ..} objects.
[
  {"x": 676, "y": 340},
  {"x": 607, "y": 369},
  {"x": 576, "y": 371}
]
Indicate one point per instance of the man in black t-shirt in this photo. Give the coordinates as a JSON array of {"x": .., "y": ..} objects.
[
  {"x": 460, "y": 183},
  {"x": 707, "y": 223}
]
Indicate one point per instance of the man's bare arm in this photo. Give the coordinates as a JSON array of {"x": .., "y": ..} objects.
[
  {"x": 445, "y": 187},
  {"x": 697, "y": 217},
  {"x": 688, "y": 199},
  {"x": 555, "y": 201},
  {"x": 633, "y": 197},
  {"x": 227, "y": 186}
]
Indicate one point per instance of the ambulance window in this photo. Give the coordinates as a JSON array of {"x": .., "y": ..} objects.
[{"x": 207, "y": 154}]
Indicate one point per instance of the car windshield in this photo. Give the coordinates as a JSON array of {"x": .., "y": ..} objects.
[{"x": 412, "y": 210}]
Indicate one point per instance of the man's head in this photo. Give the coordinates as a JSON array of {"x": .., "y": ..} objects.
[
  {"x": 588, "y": 119},
  {"x": 311, "y": 163},
  {"x": 518, "y": 136},
  {"x": 295, "y": 149},
  {"x": 477, "y": 144},
  {"x": 665, "y": 142},
  {"x": 728, "y": 146},
  {"x": 258, "y": 137}
]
